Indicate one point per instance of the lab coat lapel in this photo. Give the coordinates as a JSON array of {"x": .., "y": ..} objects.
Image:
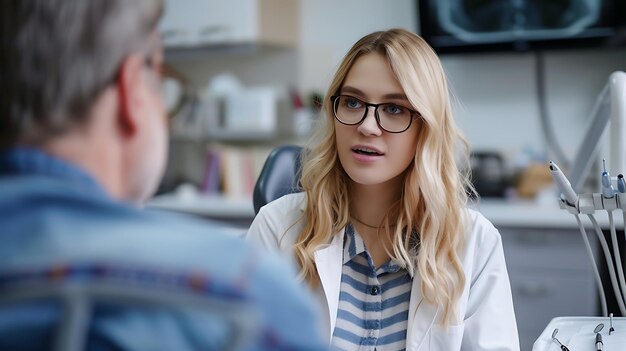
[
  {"x": 328, "y": 263},
  {"x": 422, "y": 316}
]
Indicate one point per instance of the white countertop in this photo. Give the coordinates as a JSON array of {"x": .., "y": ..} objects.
[
  {"x": 501, "y": 213},
  {"x": 209, "y": 206},
  {"x": 531, "y": 214},
  {"x": 525, "y": 214}
]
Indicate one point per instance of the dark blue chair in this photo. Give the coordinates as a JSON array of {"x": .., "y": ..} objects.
[{"x": 280, "y": 175}]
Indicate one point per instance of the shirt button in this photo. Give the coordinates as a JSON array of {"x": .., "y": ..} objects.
[{"x": 374, "y": 290}]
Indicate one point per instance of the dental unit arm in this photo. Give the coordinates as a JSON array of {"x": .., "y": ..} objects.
[{"x": 610, "y": 106}]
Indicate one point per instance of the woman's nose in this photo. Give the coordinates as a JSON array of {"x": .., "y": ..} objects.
[{"x": 369, "y": 125}]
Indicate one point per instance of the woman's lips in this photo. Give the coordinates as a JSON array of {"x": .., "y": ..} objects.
[{"x": 366, "y": 157}]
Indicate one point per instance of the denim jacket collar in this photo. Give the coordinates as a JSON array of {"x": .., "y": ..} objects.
[{"x": 30, "y": 161}]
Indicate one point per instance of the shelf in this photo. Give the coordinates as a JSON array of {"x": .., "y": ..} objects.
[
  {"x": 200, "y": 52},
  {"x": 229, "y": 136}
]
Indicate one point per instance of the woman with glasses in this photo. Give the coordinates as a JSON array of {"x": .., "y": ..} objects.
[{"x": 381, "y": 232}]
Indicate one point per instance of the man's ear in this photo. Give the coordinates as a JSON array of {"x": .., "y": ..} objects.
[{"x": 129, "y": 84}]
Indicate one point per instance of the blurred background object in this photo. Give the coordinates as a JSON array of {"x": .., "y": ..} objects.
[
  {"x": 488, "y": 174},
  {"x": 533, "y": 179}
]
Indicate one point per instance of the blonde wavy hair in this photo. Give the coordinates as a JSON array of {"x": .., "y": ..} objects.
[{"x": 429, "y": 225}]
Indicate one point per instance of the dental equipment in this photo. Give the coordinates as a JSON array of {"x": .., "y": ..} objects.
[
  {"x": 578, "y": 334},
  {"x": 621, "y": 184},
  {"x": 597, "y": 330},
  {"x": 610, "y": 106},
  {"x": 563, "y": 184},
  {"x": 607, "y": 187},
  {"x": 563, "y": 347},
  {"x": 588, "y": 204}
]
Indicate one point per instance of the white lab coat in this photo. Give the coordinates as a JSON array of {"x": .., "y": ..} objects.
[{"x": 485, "y": 308}]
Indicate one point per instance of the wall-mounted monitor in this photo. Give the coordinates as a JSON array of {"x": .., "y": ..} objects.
[{"x": 452, "y": 26}]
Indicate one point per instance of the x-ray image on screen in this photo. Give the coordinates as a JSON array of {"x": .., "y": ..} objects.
[{"x": 519, "y": 24}]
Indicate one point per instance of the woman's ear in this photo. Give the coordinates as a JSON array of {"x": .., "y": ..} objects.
[{"x": 130, "y": 89}]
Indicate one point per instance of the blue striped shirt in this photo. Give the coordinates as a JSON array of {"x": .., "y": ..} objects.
[{"x": 373, "y": 303}]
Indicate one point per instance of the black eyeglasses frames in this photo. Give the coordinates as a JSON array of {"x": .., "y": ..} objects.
[{"x": 391, "y": 117}]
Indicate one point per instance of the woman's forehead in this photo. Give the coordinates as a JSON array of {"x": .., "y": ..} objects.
[{"x": 371, "y": 76}]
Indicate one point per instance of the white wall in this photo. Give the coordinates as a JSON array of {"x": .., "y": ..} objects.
[
  {"x": 329, "y": 28},
  {"x": 500, "y": 106}
]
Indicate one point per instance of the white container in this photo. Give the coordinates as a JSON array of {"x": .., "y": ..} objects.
[{"x": 251, "y": 110}]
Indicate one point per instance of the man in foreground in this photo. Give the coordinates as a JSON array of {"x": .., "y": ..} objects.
[{"x": 83, "y": 142}]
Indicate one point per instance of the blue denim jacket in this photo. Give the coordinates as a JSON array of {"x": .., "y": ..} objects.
[{"x": 53, "y": 214}]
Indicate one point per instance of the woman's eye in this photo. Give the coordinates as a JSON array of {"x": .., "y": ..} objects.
[
  {"x": 353, "y": 103},
  {"x": 394, "y": 109}
]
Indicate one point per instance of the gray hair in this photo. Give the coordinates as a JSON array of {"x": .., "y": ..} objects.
[{"x": 57, "y": 56}]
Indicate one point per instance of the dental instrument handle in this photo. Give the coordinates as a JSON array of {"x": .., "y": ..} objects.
[
  {"x": 563, "y": 184},
  {"x": 599, "y": 343},
  {"x": 621, "y": 184},
  {"x": 607, "y": 187}
]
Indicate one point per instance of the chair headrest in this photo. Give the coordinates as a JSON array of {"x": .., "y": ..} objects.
[{"x": 280, "y": 175}]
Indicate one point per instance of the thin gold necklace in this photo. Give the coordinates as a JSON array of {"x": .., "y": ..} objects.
[{"x": 368, "y": 225}]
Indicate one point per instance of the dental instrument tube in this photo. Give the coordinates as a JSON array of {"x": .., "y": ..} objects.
[
  {"x": 616, "y": 253},
  {"x": 563, "y": 184},
  {"x": 609, "y": 263},
  {"x": 621, "y": 184},
  {"x": 596, "y": 274}
]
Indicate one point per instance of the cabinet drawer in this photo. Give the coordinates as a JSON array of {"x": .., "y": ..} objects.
[{"x": 545, "y": 248}]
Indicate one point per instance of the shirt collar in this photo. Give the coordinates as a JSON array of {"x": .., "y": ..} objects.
[
  {"x": 354, "y": 245},
  {"x": 31, "y": 161}
]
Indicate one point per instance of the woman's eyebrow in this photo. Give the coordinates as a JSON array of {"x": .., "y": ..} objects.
[
  {"x": 356, "y": 91},
  {"x": 353, "y": 90},
  {"x": 396, "y": 96}
]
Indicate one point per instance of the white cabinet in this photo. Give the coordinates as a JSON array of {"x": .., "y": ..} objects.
[
  {"x": 192, "y": 23},
  {"x": 551, "y": 276}
]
